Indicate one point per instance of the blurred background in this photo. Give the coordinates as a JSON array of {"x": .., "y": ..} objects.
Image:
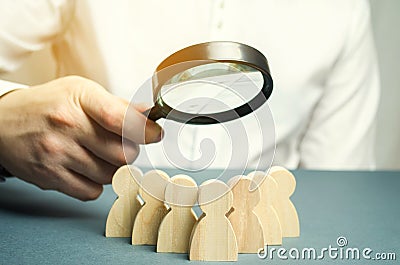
[{"x": 385, "y": 19}]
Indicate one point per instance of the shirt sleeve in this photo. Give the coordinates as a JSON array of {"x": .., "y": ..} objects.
[
  {"x": 6, "y": 86},
  {"x": 341, "y": 133},
  {"x": 27, "y": 26}
]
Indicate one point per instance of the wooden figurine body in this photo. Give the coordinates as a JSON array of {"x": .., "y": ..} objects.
[
  {"x": 284, "y": 207},
  {"x": 123, "y": 212},
  {"x": 213, "y": 238},
  {"x": 245, "y": 223},
  {"x": 176, "y": 228},
  {"x": 266, "y": 212},
  {"x": 149, "y": 217}
]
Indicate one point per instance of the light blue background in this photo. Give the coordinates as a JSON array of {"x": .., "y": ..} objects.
[{"x": 45, "y": 227}]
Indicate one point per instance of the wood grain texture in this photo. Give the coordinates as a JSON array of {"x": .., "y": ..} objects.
[
  {"x": 284, "y": 207},
  {"x": 245, "y": 223},
  {"x": 176, "y": 228},
  {"x": 265, "y": 211},
  {"x": 123, "y": 212},
  {"x": 213, "y": 238},
  {"x": 149, "y": 217}
]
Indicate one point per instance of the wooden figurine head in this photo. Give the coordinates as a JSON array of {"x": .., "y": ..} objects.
[
  {"x": 285, "y": 180},
  {"x": 181, "y": 191},
  {"x": 153, "y": 184},
  {"x": 124, "y": 177},
  {"x": 244, "y": 197},
  {"x": 215, "y": 196}
]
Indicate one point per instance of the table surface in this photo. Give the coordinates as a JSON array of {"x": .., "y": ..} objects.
[{"x": 45, "y": 227}]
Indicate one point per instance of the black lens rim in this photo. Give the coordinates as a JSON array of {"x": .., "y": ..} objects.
[{"x": 203, "y": 53}]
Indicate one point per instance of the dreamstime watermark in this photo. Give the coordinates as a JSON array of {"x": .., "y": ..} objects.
[
  {"x": 339, "y": 252},
  {"x": 241, "y": 136}
]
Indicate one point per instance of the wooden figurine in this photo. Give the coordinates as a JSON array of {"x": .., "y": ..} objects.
[
  {"x": 123, "y": 212},
  {"x": 265, "y": 211},
  {"x": 245, "y": 223},
  {"x": 213, "y": 238},
  {"x": 149, "y": 217},
  {"x": 284, "y": 207},
  {"x": 175, "y": 229}
]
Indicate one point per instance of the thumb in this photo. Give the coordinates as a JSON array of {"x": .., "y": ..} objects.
[{"x": 113, "y": 113}]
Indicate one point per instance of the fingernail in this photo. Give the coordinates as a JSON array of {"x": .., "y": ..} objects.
[
  {"x": 160, "y": 135},
  {"x": 156, "y": 135}
]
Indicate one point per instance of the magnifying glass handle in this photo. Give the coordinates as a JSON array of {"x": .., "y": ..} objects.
[{"x": 154, "y": 113}]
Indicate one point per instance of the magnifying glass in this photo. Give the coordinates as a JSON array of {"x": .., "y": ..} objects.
[{"x": 209, "y": 83}]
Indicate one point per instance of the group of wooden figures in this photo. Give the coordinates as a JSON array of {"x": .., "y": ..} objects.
[{"x": 238, "y": 217}]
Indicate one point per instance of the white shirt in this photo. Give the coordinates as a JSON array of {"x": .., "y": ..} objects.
[{"x": 321, "y": 55}]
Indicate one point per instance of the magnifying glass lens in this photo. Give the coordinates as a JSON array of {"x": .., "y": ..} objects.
[{"x": 212, "y": 88}]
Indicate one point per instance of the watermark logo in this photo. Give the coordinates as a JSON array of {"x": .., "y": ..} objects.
[
  {"x": 339, "y": 252},
  {"x": 341, "y": 241}
]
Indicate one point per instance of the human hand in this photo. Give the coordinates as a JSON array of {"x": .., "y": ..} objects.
[{"x": 66, "y": 135}]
